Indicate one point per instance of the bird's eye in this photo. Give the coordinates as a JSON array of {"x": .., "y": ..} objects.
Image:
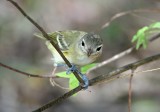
[
  {"x": 98, "y": 48},
  {"x": 83, "y": 44}
]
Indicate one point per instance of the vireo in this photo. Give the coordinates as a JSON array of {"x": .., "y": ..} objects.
[{"x": 79, "y": 47}]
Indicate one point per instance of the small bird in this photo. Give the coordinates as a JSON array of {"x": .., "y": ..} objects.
[{"x": 80, "y": 48}]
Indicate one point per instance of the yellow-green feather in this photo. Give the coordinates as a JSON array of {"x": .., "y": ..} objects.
[{"x": 71, "y": 38}]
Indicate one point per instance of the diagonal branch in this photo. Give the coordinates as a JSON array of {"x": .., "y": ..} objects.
[
  {"x": 100, "y": 79},
  {"x": 59, "y": 100},
  {"x": 47, "y": 37}
]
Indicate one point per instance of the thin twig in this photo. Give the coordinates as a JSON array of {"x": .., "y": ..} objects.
[
  {"x": 125, "y": 75},
  {"x": 120, "y": 55},
  {"x": 118, "y": 15},
  {"x": 53, "y": 82},
  {"x": 100, "y": 79},
  {"x": 47, "y": 37},
  {"x": 130, "y": 90},
  {"x": 27, "y": 74},
  {"x": 145, "y": 71}
]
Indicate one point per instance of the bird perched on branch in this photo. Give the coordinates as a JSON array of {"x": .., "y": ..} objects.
[{"x": 80, "y": 48}]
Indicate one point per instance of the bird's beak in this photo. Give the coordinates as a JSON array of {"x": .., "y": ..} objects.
[{"x": 89, "y": 52}]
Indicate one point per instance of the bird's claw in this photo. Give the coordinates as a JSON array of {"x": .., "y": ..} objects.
[
  {"x": 84, "y": 77},
  {"x": 75, "y": 69},
  {"x": 86, "y": 81},
  {"x": 72, "y": 69}
]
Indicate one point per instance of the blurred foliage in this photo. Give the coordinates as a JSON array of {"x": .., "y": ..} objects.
[
  {"x": 145, "y": 106},
  {"x": 143, "y": 33}
]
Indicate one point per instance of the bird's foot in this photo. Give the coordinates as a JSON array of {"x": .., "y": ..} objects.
[
  {"x": 75, "y": 69},
  {"x": 84, "y": 77},
  {"x": 71, "y": 69},
  {"x": 86, "y": 81}
]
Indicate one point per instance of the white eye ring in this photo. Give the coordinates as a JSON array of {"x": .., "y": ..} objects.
[
  {"x": 83, "y": 44},
  {"x": 98, "y": 48}
]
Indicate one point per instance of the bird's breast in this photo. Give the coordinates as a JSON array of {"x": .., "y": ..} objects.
[{"x": 82, "y": 60}]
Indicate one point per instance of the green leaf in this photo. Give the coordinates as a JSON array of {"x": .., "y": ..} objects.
[
  {"x": 155, "y": 25},
  {"x": 154, "y": 28},
  {"x": 84, "y": 69},
  {"x": 73, "y": 82},
  {"x": 63, "y": 75},
  {"x": 143, "y": 33},
  {"x": 140, "y": 37}
]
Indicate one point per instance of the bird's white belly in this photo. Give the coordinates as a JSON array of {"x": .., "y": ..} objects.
[
  {"x": 83, "y": 60},
  {"x": 77, "y": 60},
  {"x": 58, "y": 59}
]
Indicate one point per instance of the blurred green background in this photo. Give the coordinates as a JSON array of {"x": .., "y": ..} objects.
[{"x": 21, "y": 50}]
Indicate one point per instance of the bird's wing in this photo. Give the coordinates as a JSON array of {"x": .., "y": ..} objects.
[{"x": 64, "y": 39}]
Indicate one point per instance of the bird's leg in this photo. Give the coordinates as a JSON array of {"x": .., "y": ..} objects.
[
  {"x": 83, "y": 76},
  {"x": 60, "y": 65},
  {"x": 75, "y": 69},
  {"x": 71, "y": 69}
]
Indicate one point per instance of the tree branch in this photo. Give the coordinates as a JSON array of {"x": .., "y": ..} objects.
[
  {"x": 59, "y": 100},
  {"x": 100, "y": 79},
  {"x": 47, "y": 37},
  {"x": 27, "y": 74}
]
